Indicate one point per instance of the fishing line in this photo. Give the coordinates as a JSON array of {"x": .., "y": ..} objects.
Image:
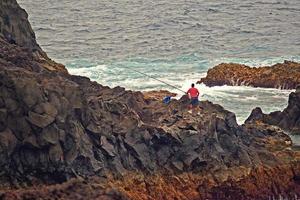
[{"x": 173, "y": 86}]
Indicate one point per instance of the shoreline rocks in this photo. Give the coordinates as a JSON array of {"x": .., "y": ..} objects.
[
  {"x": 282, "y": 75},
  {"x": 69, "y": 127},
  {"x": 288, "y": 119},
  {"x": 158, "y": 95},
  {"x": 67, "y": 137},
  {"x": 262, "y": 182}
]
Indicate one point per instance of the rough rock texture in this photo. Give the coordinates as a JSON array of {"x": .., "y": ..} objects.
[
  {"x": 237, "y": 183},
  {"x": 14, "y": 25},
  {"x": 282, "y": 75},
  {"x": 288, "y": 119},
  {"x": 73, "y": 189},
  {"x": 54, "y": 126},
  {"x": 13, "y": 56},
  {"x": 120, "y": 144},
  {"x": 158, "y": 95},
  {"x": 16, "y": 30}
]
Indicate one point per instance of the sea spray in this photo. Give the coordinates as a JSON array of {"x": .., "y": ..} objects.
[{"x": 181, "y": 73}]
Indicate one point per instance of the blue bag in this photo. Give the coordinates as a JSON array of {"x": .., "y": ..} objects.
[{"x": 167, "y": 99}]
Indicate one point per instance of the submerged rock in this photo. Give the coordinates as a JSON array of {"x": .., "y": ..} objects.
[{"x": 282, "y": 75}]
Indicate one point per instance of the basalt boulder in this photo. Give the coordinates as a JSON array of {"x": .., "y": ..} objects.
[
  {"x": 282, "y": 75},
  {"x": 288, "y": 119}
]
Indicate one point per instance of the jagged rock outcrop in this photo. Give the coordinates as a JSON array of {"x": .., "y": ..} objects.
[
  {"x": 14, "y": 56},
  {"x": 17, "y": 39},
  {"x": 282, "y": 75},
  {"x": 288, "y": 119},
  {"x": 54, "y": 126},
  {"x": 120, "y": 144},
  {"x": 14, "y": 26}
]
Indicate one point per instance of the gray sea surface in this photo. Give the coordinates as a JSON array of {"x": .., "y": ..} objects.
[{"x": 118, "y": 29}]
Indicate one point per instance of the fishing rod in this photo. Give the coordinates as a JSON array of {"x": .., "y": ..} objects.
[{"x": 156, "y": 79}]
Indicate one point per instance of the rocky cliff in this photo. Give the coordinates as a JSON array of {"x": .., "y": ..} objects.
[
  {"x": 288, "y": 119},
  {"x": 14, "y": 25},
  {"x": 54, "y": 127},
  {"x": 18, "y": 39},
  {"x": 95, "y": 142},
  {"x": 282, "y": 75}
]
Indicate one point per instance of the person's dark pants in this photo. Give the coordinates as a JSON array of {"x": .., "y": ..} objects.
[{"x": 194, "y": 101}]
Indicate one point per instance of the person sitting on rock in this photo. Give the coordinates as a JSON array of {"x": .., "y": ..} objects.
[{"x": 193, "y": 94}]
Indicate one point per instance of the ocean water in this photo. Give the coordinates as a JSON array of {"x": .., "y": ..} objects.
[{"x": 176, "y": 41}]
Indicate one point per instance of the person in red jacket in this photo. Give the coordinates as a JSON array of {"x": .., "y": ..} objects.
[{"x": 193, "y": 94}]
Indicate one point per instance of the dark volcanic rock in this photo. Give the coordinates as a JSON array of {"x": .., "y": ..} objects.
[
  {"x": 69, "y": 126},
  {"x": 288, "y": 119},
  {"x": 282, "y": 75},
  {"x": 54, "y": 127},
  {"x": 14, "y": 26},
  {"x": 260, "y": 183},
  {"x": 16, "y": 30},
  {"x": 74, "y": 189}
]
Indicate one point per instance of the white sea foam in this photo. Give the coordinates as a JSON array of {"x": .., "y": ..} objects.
[
  {"x": 251, "y": 98},
  {"x": 238, "y": 99},
  {"x": 180, "y": 58},
  {"x": 254, "y": 62},
  {"x": 88, "y": 71}
]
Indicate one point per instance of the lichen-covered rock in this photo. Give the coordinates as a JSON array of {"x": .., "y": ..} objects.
[
  {"x": 74, "y": 189},
  {"x": 262, "y": 182},
  {"x": 282, "y": 75}
]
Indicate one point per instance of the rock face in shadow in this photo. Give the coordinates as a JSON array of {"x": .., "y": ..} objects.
[
  {"x": 14, "y": 26},
  {"x": 120, "y": 144},
  {"x": 282, "y": 75},
  {"x": 55, "y": 126},
  {"x": 288, "y": 119},
  {"x": 17, "y": 39}
]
